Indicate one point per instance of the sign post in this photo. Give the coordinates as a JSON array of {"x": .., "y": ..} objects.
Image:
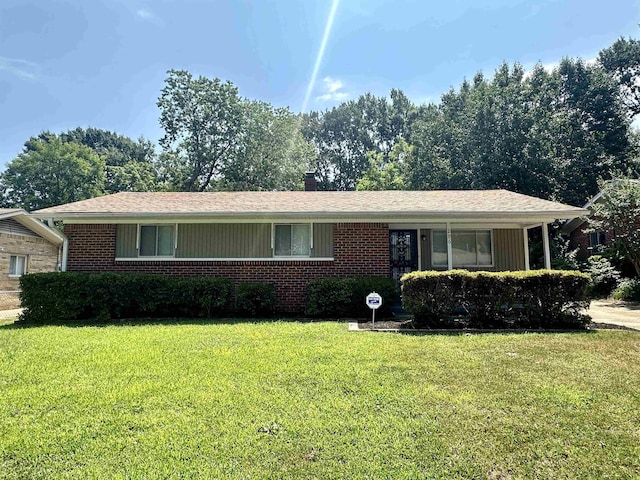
[{"x": 374, "y": 302}]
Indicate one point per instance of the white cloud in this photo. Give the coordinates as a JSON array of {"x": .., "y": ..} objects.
[
  {"x": 142, "y": 13},
  {"x": 19, "y": 67},
  {"x": 332, "y": 90}
]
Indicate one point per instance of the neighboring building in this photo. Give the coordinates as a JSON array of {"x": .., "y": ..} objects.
[
  {"x": 589, "y": 243},
  {"x": 289, "y": 238},
  {"x": 26, "y": 246}
]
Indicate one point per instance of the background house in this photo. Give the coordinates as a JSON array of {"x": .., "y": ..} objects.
[{"x": 26, "y": 246}]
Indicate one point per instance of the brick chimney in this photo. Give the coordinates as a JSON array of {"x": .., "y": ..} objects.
[{"x": 310, "y": 182}]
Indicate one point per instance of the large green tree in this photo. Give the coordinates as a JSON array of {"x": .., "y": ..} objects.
[
  {"x": 130, "y": 165},
  {"x": 203, "y": 129},
  {"x": 272, "y": 155},
  {"x": 51, "y": 172},
  {"x": 622, "y": 60}
]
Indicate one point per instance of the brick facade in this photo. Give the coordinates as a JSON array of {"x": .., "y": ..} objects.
[
  {"x": 359, "y": 249},
  {"x": 579, "y": 239}
]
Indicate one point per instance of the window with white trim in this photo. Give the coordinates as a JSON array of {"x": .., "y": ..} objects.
[
  {"x": 17, "y": 265},
  {"x": 597, "y": 240},
  {"x": 156, "y": 240},
  {"x": 292, "y": 240},
  {"x": 470, "y": 248}
]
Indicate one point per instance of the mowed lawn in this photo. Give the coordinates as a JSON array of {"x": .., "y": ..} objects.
[{"x": 311, "y": 400}]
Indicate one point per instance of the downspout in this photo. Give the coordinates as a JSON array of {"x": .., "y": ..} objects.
[{"x": 65, "y": 246}]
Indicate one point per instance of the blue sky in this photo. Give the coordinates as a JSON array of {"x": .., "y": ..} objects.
[{"x": 101, "y": 63}]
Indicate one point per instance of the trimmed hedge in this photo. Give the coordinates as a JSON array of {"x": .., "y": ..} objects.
[
  {"x": 256, "y": 299},
  {"x": 68, "y": 296},
  {"x": 345, "y": 297},
  {"x": 532, "y": 299}
]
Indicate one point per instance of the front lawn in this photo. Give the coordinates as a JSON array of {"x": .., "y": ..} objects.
[{"x": 305, "y": 400}]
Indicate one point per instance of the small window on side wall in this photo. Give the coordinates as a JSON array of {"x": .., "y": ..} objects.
[
  {"x": 157, "y": 240},
  {"x": 17, "y": 265},
  {"x": 293, "y": 240}
]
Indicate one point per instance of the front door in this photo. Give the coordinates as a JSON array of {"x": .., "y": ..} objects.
[{"x": 403, "y": 252}]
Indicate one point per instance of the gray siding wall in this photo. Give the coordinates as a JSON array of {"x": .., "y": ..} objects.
[
  {"x": 508, "y": 249},
  {"x": 322, "y": 240},
  {"x": 217, "y": 240},
  {"x": 237, "y": 240},
  {"x": 9, "y": 225},
  {"x": 126, "y": 241}
]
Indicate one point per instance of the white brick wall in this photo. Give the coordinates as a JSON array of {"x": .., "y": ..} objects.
[{"x": 42, "y": 256}]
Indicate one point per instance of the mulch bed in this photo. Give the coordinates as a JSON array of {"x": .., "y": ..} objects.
[{"x": 408, "y": 325}]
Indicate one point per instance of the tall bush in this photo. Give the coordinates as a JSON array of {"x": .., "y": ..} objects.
[
  {"x": 534, "y": 299},
  {"x": 68, "y": 296},
  {"x": 345, "y": 297}
]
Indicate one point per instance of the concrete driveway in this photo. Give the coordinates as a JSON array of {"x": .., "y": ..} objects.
[{"x": 626, "y": 314}]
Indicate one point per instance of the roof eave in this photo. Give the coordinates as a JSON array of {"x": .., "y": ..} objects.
[{"x": 391, "y": 216}]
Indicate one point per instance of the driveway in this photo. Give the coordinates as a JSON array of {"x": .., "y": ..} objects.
[{"x": 626, "y": 314}]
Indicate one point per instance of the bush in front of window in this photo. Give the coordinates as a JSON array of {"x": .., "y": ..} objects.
[
  {"x": 493, "y": 300},
  {"x": 255, "y": 299},
  {"x": 68, "y": 296},
  {"x": 345, "y": 297}
]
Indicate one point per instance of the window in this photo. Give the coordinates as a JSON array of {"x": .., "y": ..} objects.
[
  {"x": 470, "y": 248},
  {"x": 157, "y": 240},
  {"x": 292, "y": 240},
  {"x": 597, "y": 240},
  {"x": 17, "y": 265}
]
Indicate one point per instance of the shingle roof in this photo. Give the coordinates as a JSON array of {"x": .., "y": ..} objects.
[{"x": 367, "y": 203}]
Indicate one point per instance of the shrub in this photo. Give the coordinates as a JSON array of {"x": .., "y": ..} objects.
[
  {"x": 345, "y": 297},
  {"x": 255, "y": 299},
  {"x": 533, "y": 299},
  {"x": 628, "y": 290},
  {"x": 63, "y": 297},
  {"x": 604, "y": 277}
]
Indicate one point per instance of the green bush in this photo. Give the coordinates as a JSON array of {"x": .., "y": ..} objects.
[
  {"x": 533, "y": 299},
  {"x": 255, "y": 299},
  {"x": 628, "y": 290},
  {"x": 68, "y": 296},
  {"x": 345, "y": 297},
  {"x": 604, "y": 277}
]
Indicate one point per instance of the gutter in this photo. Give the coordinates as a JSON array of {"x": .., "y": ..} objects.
[{"x": 65, "y": 245}]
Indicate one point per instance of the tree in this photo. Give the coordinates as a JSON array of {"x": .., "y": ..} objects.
[
  {"x": 618, "y": 211},
  {"x": 390, "y": 175},
  {"x": 622, "y": 60},
  {"x": 273, "y": 154},
  {"x": 344, "y": 136},
  {"x": 202, "y": 121},
  {"x": 51, "y": 172},
  {"x": 129, "y": 165}
]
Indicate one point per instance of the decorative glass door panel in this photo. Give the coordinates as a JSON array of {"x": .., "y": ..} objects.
[{"x": 403, "y": 252}]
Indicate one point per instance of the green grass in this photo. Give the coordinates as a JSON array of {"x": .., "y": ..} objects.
[{"x": 311, "y": 400}]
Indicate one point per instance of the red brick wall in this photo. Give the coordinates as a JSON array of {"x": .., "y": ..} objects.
[
  {"x": 579, "y": 239},
  {"x": 359, "y": 249}
]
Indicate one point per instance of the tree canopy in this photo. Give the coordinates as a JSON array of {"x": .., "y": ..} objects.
[{"x": 52, "y": 172}]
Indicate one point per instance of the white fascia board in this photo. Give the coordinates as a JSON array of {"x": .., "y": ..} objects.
[
  {"x": 395, "y": 218},
  {"x": 38, "y": 227},
  {"x": 12, "y": 213}
]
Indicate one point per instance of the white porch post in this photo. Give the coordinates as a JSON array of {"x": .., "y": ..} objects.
[
  {"x": 545, "y": 243},
  {"x": 449, "y": 248},
  {"x": 525, "y": 235}
]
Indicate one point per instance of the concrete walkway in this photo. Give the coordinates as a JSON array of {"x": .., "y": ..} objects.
[{"x": 626, "y": 314}]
